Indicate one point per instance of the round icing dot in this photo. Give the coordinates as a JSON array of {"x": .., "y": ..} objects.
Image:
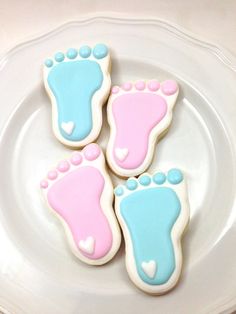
[
  {"x": 63, "y": 166},
  {"x": 72, "y": 53},
  {"x": 127, "y": 86},
  {"x": 92, "y": 151},
  {"x": 131, "y": 184},
  {"x": 144, "y": 180},
  {"x": 153, "y": 85},
  {"x": 140, "y": 85},
  {"x": 85, "y": 51},
  {"x": 115, "y": 89},
  {"x": 159, "y": 178},
  {"x": 76, "y": 159},
  {"x": 52, "y": 175},
  {"x": 59, "y": 56},
  {"x": 44, "y": 184},
  {"x": 119, "y": 191},
  {"x": 174, "y": 176},
  {"x": 169, "y": 87},
  {"x": 48, "y": 63},
  {"x": 100, "y": 51}
]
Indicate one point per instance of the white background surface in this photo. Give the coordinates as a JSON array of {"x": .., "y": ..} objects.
[
  {"x": 213, "y": 20},
  {"x": 22, "y": 20}
]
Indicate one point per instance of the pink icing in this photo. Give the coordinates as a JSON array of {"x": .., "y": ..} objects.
[
  {"x": 52, "y": 175},
  {"x": 127, "y": 86},
  {"x": 91, "y": 151},
  {"x": 115, "y": 89},
  {"x": 153, "y": 85},
  {"x": 63, "y": 166},
  {"x": 135, "y": 116},
  {"x": 44, "y": 184},
  {"x": 76, "y": 198},
  {"x": 169, "y": 87},
  {"x": 140, "y": 85},
  {"x": 76, "y": 159}
]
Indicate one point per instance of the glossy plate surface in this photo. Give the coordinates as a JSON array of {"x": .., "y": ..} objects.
[{"x": 38, "y": 274}]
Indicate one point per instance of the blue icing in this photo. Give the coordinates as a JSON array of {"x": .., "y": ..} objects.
[
  {"x": 119, "y": 191},
  {"x": 59, "y": 56},
  {"x": 150, "y": 215},
  {"x": 174, "y": 176},
  {"x": 85, "y": 51},
  {"x": 131, "y": 184},
  {"x": 72, "y": 53},
  {"x": 100, "y": 51},
  {"x": 159, "y": 178},
  {"x": 73, "y": 84},
  {"x": 48, "y": 63},
  {"x": 144, "y": 180}
]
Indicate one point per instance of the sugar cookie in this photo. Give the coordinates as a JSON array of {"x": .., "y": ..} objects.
[
  {"x": 78, "y": 83},
  {"x": 138, "y": 114},
  {"x": 153, "y": 212},
  {"x": 79, "y": 191}
]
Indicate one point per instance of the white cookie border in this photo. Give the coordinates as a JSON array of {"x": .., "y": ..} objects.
[
  {"x": 176, "y": 236},
  {"x": 106, "y": 202},
  {"x": 154, "y": 137},
  {"x": 98, "y": 100}
]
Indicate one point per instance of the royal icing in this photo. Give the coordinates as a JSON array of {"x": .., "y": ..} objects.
[
  {"x": 153, "y": 212},
  {"x": 149, "y": 268},
  {"x": 78, "y": 84},
  {"x": 79, "y": 192},
  {"x": 138, "y": 114}
]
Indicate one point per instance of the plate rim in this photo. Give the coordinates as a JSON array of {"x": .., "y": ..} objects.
[{"x": 223, "y": 54}]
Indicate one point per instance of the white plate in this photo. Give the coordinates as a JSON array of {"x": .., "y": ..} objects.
[{"x": 38, "y": 274}]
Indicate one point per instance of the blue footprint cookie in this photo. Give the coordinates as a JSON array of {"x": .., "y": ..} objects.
[
  {"x": 153, "y": 212},
  {"x": 78, "y": 83}
]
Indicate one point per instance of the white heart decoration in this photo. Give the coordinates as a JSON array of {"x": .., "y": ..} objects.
[
  {"x": 121, "y": 153},
  {"x": 87, "y": 245},
  {"x": 149, "y": 268},
  {"x": 68, "y": 127}
]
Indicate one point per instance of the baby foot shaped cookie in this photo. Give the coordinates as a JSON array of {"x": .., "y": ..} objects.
[
  {"x": 153, "y": 212},
  {"x": 138, "y": 114},
  {"x": 78, "y": 84},
  {"x": 79, "y": 191}
]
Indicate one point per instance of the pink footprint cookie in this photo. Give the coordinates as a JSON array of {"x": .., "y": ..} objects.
[
  {"x": 79, "y": 191},
  {"x": 138, "y": 114}
]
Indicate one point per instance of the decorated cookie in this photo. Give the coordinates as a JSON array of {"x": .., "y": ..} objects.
[
  {"x": 79, "y": 191},
  {"x": 138, "y": 114},
  {"x": 78, "y": 83},
  {"x": 153, "y": 212}
]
